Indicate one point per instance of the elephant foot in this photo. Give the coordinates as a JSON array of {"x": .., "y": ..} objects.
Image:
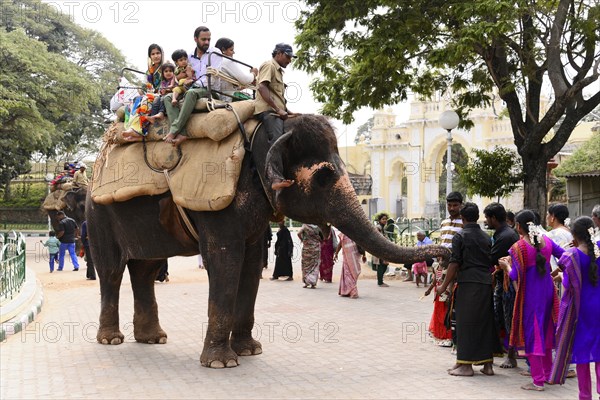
[
  {"x": 246, "y": 347},
  {"x": 109, "y": 336},
  {"x": 153, "y": 335},
  {"x": 219, "y": 357}
]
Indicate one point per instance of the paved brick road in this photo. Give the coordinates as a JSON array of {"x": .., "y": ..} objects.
[{"x": 315, "y": 344}]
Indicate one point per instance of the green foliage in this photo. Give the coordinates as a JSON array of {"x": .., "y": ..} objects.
[
  {"x": 374, "y": 52},
  {"x": 364, "y": 129},
  {"x": 495, "y": 173},
  {"x": 56, "y": 80},
  {"x": 460, "y": 158},
  {"x": 584, "y": 159},
  {"x": 26, "y": 194}
]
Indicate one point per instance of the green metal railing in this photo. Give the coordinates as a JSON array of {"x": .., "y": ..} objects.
[
  {"x": 405, "y": 230},
  {"x": 12, "y": 264}
]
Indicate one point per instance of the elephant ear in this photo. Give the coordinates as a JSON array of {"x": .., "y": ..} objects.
[
  {"x": 70, "y": 200},
  {"x": 274, "y": 161}
]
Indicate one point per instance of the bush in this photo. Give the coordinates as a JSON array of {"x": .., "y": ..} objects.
[{"x": 25, "y": 194}]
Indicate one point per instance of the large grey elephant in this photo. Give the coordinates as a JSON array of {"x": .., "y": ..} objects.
[{"x": 131, "y": 233}]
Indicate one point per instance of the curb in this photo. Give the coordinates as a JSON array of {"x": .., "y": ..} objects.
[{"x": 30, "y": 308}]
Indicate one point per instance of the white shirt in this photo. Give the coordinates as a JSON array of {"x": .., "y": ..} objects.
[
  {"x": 199, "y": 65},
  {"x": 561, "y": 237},
  {"x": 239, "y": 72}
]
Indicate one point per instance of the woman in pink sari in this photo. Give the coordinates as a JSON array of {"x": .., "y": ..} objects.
[{"x": 350, "y": 267}]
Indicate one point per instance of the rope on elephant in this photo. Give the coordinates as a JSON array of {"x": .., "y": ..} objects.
[
  {"x": 226, "y": 77},
  {"x": 160, "y": 170},
  {"x": 184, "y": 216},
  {"x": 247, "y": 146}
]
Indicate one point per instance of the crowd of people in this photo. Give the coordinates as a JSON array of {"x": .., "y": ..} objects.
[
  {"x": 525, "y": 292},
  {"x": 528, "y": 291}
]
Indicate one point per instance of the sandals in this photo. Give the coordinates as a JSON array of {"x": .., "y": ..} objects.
[{"x": 532, "y": 386}]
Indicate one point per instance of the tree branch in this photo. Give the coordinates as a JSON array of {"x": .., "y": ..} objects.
[{"x": 555, "y": 68}]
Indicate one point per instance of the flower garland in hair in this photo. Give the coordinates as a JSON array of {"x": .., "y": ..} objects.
[
  {"x": 535, "y": 232},
  {"x": 595, "y": 238},
  {"x": 567, "y": 222}
]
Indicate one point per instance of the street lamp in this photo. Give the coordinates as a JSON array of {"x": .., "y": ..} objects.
[{"x": 449, "y": 120}]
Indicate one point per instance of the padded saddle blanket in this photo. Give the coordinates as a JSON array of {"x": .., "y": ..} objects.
[
  {"x": 203, "y": 179},
  {"x": 54, "y": 200}
]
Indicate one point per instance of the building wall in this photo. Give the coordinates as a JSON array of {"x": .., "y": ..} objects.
[{"x": 415, "y": 148}]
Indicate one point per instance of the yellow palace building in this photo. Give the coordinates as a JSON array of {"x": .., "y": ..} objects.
[{"x": 405, "y": 159}]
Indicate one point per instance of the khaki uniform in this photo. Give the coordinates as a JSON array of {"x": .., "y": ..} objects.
[
  {"x": 271, "y": 72},
  {"x": 80, "y": 179}
]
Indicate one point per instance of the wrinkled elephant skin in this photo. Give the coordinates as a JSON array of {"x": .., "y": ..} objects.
[{"x": 130, "y": 233}]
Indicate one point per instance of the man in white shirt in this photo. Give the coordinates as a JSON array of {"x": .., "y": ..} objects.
[{"x": 198, "y": 59}]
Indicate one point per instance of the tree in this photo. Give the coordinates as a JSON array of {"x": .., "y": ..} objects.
[
  {"x": 59, "y": 112},
  {"x": 35, "y": 87},
  {"x": 372, "y": 53},
  {"x": 364, "y": 129},
  {"x": 460, "y": 158},
  {"x": 584, "y": 159},
  {"x": 495, "y": 173}
]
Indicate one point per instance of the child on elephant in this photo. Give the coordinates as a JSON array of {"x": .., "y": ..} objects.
[
  {"x": 184, "y": 74},
  {"x": 167, "y": 84}
]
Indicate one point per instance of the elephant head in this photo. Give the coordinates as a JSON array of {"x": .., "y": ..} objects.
[
  {"x": 74, "y": 207},
  {"x": 322, "y": 193}
]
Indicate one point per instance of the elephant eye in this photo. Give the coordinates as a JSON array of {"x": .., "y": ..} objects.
[{"x": 324, "y": 176}]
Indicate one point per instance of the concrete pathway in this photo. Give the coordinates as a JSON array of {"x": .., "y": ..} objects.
[{"x": 315, "y": 345}]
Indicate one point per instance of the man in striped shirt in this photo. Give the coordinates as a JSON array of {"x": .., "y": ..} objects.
[
  {"x": 450, "y": 227},
  {"x": 453, "y": 224}
]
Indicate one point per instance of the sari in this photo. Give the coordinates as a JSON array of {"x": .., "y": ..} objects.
[
  {"x": 578, "y": 332},
  {"x": 326, "y": 267},
  {"x": 136, "y": 118},
  {"x": 536, "y": 302},
  {"x": 311, "y": 238},
  {"x": 350, "y": 268},
  {"x": 567, "y": 317}
]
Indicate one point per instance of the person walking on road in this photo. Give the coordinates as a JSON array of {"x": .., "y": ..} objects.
[
  {"x": 284, "y": 248},
  {"x": 67, "y": 233},
  {"x": 311, "y": 238},
  {"x": 53, "y": 245},
  {"x": 350, "y": 267}
]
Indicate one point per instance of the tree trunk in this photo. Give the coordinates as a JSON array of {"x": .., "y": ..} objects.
[{"x": 535, "y": 189}]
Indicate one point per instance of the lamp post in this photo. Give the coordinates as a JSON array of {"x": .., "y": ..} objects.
[{"x": 449, "y": 120}]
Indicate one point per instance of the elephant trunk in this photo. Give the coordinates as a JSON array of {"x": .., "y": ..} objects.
[{"x": 353, "y": 222}]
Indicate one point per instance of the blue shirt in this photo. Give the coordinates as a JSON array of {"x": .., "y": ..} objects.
[{"x": 425, "y": 242}]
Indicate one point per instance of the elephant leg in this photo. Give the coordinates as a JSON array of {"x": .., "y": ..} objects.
[
  {"x": 224, "y": 263},
  {"x": 146, "y": 328},
  {"x": 241, "y": 336},
  {"x": 110, "y": 285}
]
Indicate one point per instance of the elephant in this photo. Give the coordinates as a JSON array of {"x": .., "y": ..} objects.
[
  {"x": 74, "y": 207},
  {"x": 131, "y": 234}
]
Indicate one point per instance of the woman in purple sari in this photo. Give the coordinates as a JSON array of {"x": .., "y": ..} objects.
[
  {"x": 578, "y": 333},
  {"x": 536, "y": 302}
]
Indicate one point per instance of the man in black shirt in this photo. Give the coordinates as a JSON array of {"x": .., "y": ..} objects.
[
  {"x": 67, "y": 233},
  {"x": 476, "y": 336},
  {"x": 504, "y": 293}
]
